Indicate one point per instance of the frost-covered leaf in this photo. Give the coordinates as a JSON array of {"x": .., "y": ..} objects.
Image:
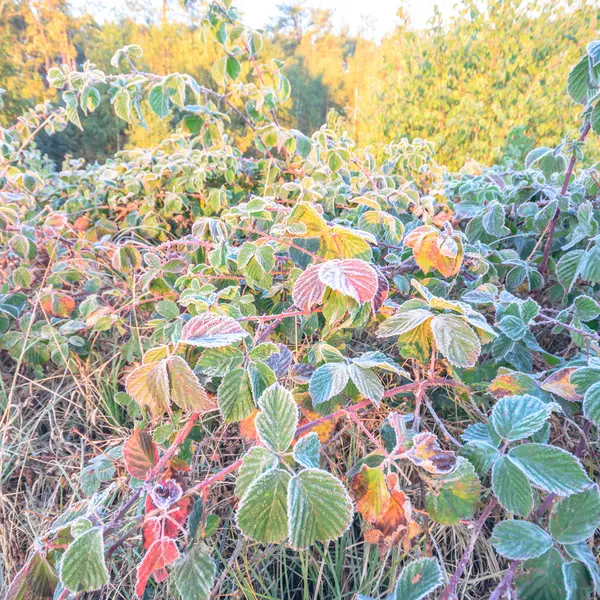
[
  {"x": 481, "y": 455},
  {"x": 210, "y": 330},
  {"x": 262, "y": 513},
  {"x": 519, "y": 417},
  {"x": 456, "y": 340},
  {"x": 584, "y": 555},
  {"x": 427, "y": 454},
  {"x": 140, "y": 454},
  {"x": 542, "y": 578},
  {"x": 376, "y": 359},
  {"x": 418, "y": 579},
  {"x": 255, "y": 463},
  {"x": 404, "y": 322},
  {"x": 82, "y": 568},
  {"x": 37, "y": 580},
  {"x": 327, "y": 381},
  {"x": 367, "y": 383},
  {"x": 194, "y": 574},
  {"x": 519, "y": 540},
  {"x": 307, "y": 449},
  {"x": 569, "y": 268},
  {"x": 217, "y": 362},
  {"x": 370, "y": 493},
  {"x": 308, "y": 289},
  {"x": 278, "y": 418},
  {"x": 351, "y": 277},
  {"x": 576, "y": 518},
  {"x": 319, "y": 508},
  {"x": 235, "y": 396},
  {"x": 511, "y": 487},
  {"x": 577, "y": 581},
  {"x": 591, "y": 403},
  {"x": 550, "y": 468},
  {"x": 161, "y": 553},
  {"x": 559, "y": 384},
  {"x": 185, "y": 389},
  {"x": 454, "y": 496}
]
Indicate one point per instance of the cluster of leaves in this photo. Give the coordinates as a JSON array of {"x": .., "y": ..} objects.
[{"x": 290, "y": 287}]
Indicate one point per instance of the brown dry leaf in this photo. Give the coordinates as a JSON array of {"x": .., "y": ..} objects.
[
  {"x": 427, "y": 454},
  {"x": 396, "y": 524}
]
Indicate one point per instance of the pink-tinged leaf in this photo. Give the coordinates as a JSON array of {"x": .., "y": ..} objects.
[
  {"x": 351, "y": 277},
  {"x": 140, "y": 454},
  {"x": 161, "y": 553},
  {"x": 157, "y": 384},
  {"x": 383, "y": 289},
  {"x": 559, "y": 384},
  {"x": 185, "y": 388},
  {"x": 148, "y": 385},
  {"x": 37, "y": 580},
  {"x": 210, "y": 330},
  {"x": 308, "y": 288}
]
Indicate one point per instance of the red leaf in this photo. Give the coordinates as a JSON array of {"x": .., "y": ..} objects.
[
  {"x": 308, "y": 288},
  {"x": 351, "y": 277},
  {"x": 140, "y": 454},
  {"x": 210, "y": 330},
  {"x": 161, "y": 553},
  {"x": 383, "y": 288}
]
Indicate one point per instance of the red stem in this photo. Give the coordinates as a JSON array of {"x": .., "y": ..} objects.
[{"x": 563, "y": 191}]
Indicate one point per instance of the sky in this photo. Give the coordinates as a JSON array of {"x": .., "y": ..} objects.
[
  {"x": 371, "y": 18},
  {"x": 374, "y": 18}
]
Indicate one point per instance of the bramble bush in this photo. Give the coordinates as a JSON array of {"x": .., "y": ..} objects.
[{"x": 268, "y": 304}]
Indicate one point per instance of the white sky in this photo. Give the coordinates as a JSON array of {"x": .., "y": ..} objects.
[{"x": 372, "y": 18}]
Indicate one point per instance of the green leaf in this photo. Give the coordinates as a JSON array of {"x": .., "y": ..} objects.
[
  {"x": 578, "y": 81},
  {"x": 303, "y": 143},
  {"x": 455, "y": 496},
  {"x": 493, "y": 220},
  {"x": 328, "y": 381},
  {"x": 37, "y": 580},
  {"x": 158, "y": 99},
  {"x": 233, "y": 67},
  {"x": 456, "y": 340},
  {"x": 583, "y": 554},
  {"x": 319, "y": 508},
  {"x": 257, "y": 461},
  {"x": 511, "y": 487},
  {"x": 542, "y": 578},
  {"x": 418, "y": 579},
  {"x": 586, "y": 308},
  {"x": 481, "y": 455},
  {"x": 167, "y": 309},
  {"x": 569, "y": 268},
  {"x": 307, "y": 449},
  {"x": 217, "y": 362},
  {"x": 235, "y": 396},
  {"x": 591, "y": 403},
  {"x": 262, "y": 513},
  {"x": 519, "y": 540},
  {"x": 371, "y": 360},
  {"x": 552, "y": 469},
  {"x": 82, "y": 568},
  {"x": 513, "y": 327},
  {"x": 194, "y": 574},
  {"x": 590, "y": 270},
  {"x": 278, "y": 418},
  {"x": 518, "y": 417},
  {"x": 577, "y": 581},
  {"x": 576, "y": 518},
  {"x": 367, "y": 383}
]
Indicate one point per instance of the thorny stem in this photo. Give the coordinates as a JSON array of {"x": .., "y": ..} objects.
[
  {"x": 449, "y": 590},
  {"x": 563, "y": 191}
]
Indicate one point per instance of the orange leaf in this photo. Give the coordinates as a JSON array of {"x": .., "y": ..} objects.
[
  {"x": 57, "y": 304},
  {"x": 396, "y": 524},
  {"x": 511, "y": 384},
  {"x": 559, "y": 384},
  {"x": 248, "y": 429},
  {"x": 371, "y": 493},
  {"x": 161, "y": 553},
  {"x": 140, "y": 454}
]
